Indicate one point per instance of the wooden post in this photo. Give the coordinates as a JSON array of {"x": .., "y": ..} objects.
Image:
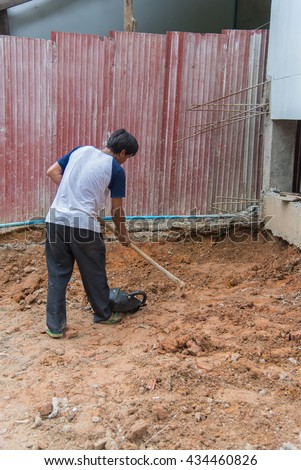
[
  {"x": 4, "y": 26},
  {"x": 129, "y": 21},
  {"x": 4, "y": 4}
]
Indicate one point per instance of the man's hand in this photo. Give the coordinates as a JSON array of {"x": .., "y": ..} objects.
[
  {"x": 119, "y": 221},
  {"x": 124, "y": 240}
]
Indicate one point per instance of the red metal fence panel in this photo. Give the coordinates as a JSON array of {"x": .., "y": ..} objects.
[
  {"x": 76, "y": 89},
  {"x": 137, "y": 105},
  {"x": 83, "y": 89},
  {"x": 27, "y": 126}
]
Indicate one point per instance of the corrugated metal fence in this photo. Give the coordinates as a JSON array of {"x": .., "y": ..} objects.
[{"x": 76, "y": 89}]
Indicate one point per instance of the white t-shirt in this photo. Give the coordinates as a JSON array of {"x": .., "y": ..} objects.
[{"x": 88, "y": 176}]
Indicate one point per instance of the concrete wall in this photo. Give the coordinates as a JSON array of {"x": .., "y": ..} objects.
[
  {"x": 39, "y": 17},
  {"x": 283, "y": 218},
  {"x": 284, "y": 71},
  {"x": 284, "y": 59},
  {"x": 279, "y": 153}
]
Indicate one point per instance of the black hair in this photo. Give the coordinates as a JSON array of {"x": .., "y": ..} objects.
[{"x": 121, "y": 140}]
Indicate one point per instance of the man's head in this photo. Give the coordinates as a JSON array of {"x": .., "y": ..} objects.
[{"x": 122, "y": 144}]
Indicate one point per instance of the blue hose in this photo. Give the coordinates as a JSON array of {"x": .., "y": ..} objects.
[
  {"x": 21, "y": 224},
  {"x": 133, "y": 217}
]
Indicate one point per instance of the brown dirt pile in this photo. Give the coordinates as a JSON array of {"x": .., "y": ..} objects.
[{"x": 215, "y": 367}]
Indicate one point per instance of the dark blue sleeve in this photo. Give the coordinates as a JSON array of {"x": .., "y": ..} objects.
[
  {"x": 63, "y": 161},
  {"x": 117, "y": 183}
]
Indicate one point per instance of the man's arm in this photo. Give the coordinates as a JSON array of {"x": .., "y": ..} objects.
[
  {"x": 55, "y": 172},
  {"x": 119, "y": 221}
]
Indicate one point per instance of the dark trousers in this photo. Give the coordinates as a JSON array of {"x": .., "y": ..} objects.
[{"x": 64, "y": 246}]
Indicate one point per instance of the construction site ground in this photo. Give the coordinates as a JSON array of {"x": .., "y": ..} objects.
[{"x": 216, "y": 365}]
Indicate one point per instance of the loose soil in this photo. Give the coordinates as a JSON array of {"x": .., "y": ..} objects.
[{"x": 214, "y": 366}]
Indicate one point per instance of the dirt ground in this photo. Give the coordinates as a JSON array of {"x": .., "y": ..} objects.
[{"x": 214, "y": 366}]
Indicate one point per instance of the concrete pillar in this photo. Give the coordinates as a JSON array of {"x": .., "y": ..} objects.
[
  {"x": 282, "y": 217},
  {"x": 279, "y": 150}
]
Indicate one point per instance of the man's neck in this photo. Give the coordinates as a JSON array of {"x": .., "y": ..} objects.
[{"x": 108, "y": 151}]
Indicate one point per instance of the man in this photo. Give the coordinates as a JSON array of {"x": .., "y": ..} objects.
[{"x": 85, "y": 176}]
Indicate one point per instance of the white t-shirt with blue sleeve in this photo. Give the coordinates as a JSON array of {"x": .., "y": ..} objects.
[{"x": 89, "y": 175}]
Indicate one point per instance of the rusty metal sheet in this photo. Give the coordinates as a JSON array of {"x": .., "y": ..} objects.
[
  {"x": 76, "y": 89},
  {"x": 137, "y": 99},
  {"x": 26, "y": 126},
  {"x": 83, "y": 89},
  {"x": 190, "y": 176},
  {"x": 227, "y": 162}
]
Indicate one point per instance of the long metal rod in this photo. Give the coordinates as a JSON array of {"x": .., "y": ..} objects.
[
  {"x": 225, "y": 105},
  {"x": 220, "y": 203},
  {"x": 224, "y": 110},
  {"x": 237, "y": 198},
  {"x": 228, "y": 96},
  {"x": 229, "y": 118},
  {"x": 228, "y": 123},
  {"x": 212, "y": 128}
]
